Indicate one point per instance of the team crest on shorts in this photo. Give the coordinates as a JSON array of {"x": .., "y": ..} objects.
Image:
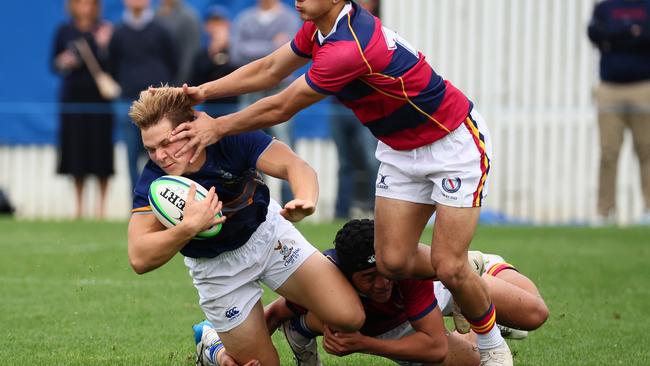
[
  {"x": 286, "y": 250},
  {"x": 451, "y": 185}
]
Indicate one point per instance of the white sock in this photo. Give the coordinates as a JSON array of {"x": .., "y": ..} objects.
[{"x": 490, "y": 339}]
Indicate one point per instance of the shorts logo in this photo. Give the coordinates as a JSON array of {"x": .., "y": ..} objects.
[
  {"x": 286, "y": 251},
  {"x": 382, "y": 182},
  {"x": 451, "y": 185},
  {"x": 232, "y": 313}
]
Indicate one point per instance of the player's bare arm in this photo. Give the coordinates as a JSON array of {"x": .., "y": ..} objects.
[
  {"x": 281, "y": 162},
  {"x": 261, "y": 74},
  {"x": 151, "y": 245},
  {"x": 266, "y": 112},
  {"x": 427, "y": 344}
]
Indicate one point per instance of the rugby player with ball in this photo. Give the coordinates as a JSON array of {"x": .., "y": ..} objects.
[{"x": 256, "y": 242}]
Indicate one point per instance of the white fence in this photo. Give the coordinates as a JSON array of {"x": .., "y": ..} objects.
[{"x": 526, "y": 64}]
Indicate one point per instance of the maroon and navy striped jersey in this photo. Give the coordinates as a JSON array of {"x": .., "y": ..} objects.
[{"x": 386, "y": 82}]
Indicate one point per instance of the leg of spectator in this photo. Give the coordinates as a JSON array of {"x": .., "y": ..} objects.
[{"x": 611, "y": 125}]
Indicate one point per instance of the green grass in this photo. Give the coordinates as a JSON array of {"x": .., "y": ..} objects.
[{"x": 69, "y": 297}]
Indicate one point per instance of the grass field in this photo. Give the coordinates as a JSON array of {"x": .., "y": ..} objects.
[{"x": 69, "y": 297}]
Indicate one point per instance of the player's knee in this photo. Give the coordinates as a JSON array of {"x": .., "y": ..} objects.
[
  {"x": 451, "y": 272},
  {"x": 395, "y": 267},
  {"x": 537, "y": 315},
  {"x": 348, "y": 320}
]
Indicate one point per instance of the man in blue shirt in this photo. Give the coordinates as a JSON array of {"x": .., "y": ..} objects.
[{"x": 621, "y": 31}]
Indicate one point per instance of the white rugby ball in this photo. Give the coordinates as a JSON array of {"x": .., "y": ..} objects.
[{"x": 167, "y": 196}]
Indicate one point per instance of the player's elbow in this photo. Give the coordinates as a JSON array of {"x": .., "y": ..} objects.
[
  {"x": 138, "y": 266},
  {"x": 436, "y": 351}
]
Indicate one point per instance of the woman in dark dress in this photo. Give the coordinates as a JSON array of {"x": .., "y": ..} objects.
[{"x": 86, "y": 121}]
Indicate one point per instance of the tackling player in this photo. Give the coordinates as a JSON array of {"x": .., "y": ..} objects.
[
  {"x": 434, "y": 146},
  {"x": 257, "y": 244},
  {"x": 395, "y": 325}
]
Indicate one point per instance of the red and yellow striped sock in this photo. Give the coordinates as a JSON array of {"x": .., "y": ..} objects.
[
  {"x": 498, "y": 267},
  {"x": 485, "y": 323}
]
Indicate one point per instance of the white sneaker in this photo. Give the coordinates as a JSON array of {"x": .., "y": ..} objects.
[
  {"x": 304, "y": 349},
  {"x": 512, "y": 333},
  {"x": 477, "y": 264},
  {"x": 497, "y": 356}
]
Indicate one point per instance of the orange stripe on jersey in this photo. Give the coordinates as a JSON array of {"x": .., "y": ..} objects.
[
  {"x": 358, "y": 44},
  {"x": 485, "y": 162},
  {"x": 141, "y": 209},
  {"x": 406, "y": 97}
]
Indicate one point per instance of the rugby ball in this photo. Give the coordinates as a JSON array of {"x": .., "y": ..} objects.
[{"x": 167, "y": 196}]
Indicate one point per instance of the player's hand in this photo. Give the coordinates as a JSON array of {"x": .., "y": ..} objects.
[
  {"x": 196, "y": 94},
  {"x": 200, "y": 132},
  {"x": 202, "y": 215},
  {"x": 226, "y": 359},
  {"x": 340, "y": 343},
  {"x": 297, "y": 209}
]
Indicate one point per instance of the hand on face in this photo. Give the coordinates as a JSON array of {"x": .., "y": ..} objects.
[{"x": 200, "y": 133}]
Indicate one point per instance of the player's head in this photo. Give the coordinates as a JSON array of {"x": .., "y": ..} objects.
[
  {"x": 157, "y": 114},
  {"x": 315, "y": 10},
  {"x": 355, "y": 249}
]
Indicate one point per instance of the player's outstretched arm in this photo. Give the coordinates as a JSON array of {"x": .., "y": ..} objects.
[
  {"x": 281, "y": 162},
  {"x": 261, "y": 74},
  {"x": 151, "y": 245},
  {"x": 266, "y": 112}
]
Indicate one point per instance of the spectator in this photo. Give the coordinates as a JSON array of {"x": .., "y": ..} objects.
[
  {"x": 141, "y": 54},
  {"x": 258, "y": 31},
  {"x": 184, "y": 25},
  {"x": 214, "y": 62},
  {"x": 85, "y": 120},
  {"x": 621, "y": 31},
  {"x": 355, "y": 147}
]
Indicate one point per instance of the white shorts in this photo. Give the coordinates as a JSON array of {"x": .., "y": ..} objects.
[
  {"x": 452, "y": 171},
  {"x": 398, "y": 332},
  {"x": 443, "y": 295},
  {"x": 229, "y": 285}
]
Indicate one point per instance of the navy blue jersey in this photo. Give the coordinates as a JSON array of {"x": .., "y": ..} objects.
[{"x": 230, "y": 167}]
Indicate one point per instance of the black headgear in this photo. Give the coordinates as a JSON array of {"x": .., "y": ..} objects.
[{"x": 355, "y": 246}]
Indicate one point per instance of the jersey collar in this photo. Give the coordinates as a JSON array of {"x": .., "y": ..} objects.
[{"x": 346, "y": 9}]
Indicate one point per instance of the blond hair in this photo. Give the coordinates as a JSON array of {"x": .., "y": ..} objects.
[{"x": 165, "y": 102}]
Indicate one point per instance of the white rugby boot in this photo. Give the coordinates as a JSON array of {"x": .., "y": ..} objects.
[
  {"x": 304, "y": 349},
  {"x": 497, "y": 356},
  {"x": 512, "y": 333}
]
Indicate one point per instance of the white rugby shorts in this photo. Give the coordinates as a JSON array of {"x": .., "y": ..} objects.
[
  {"x": 229, "y": 285},
  {"x": 451, "y": 171}
]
